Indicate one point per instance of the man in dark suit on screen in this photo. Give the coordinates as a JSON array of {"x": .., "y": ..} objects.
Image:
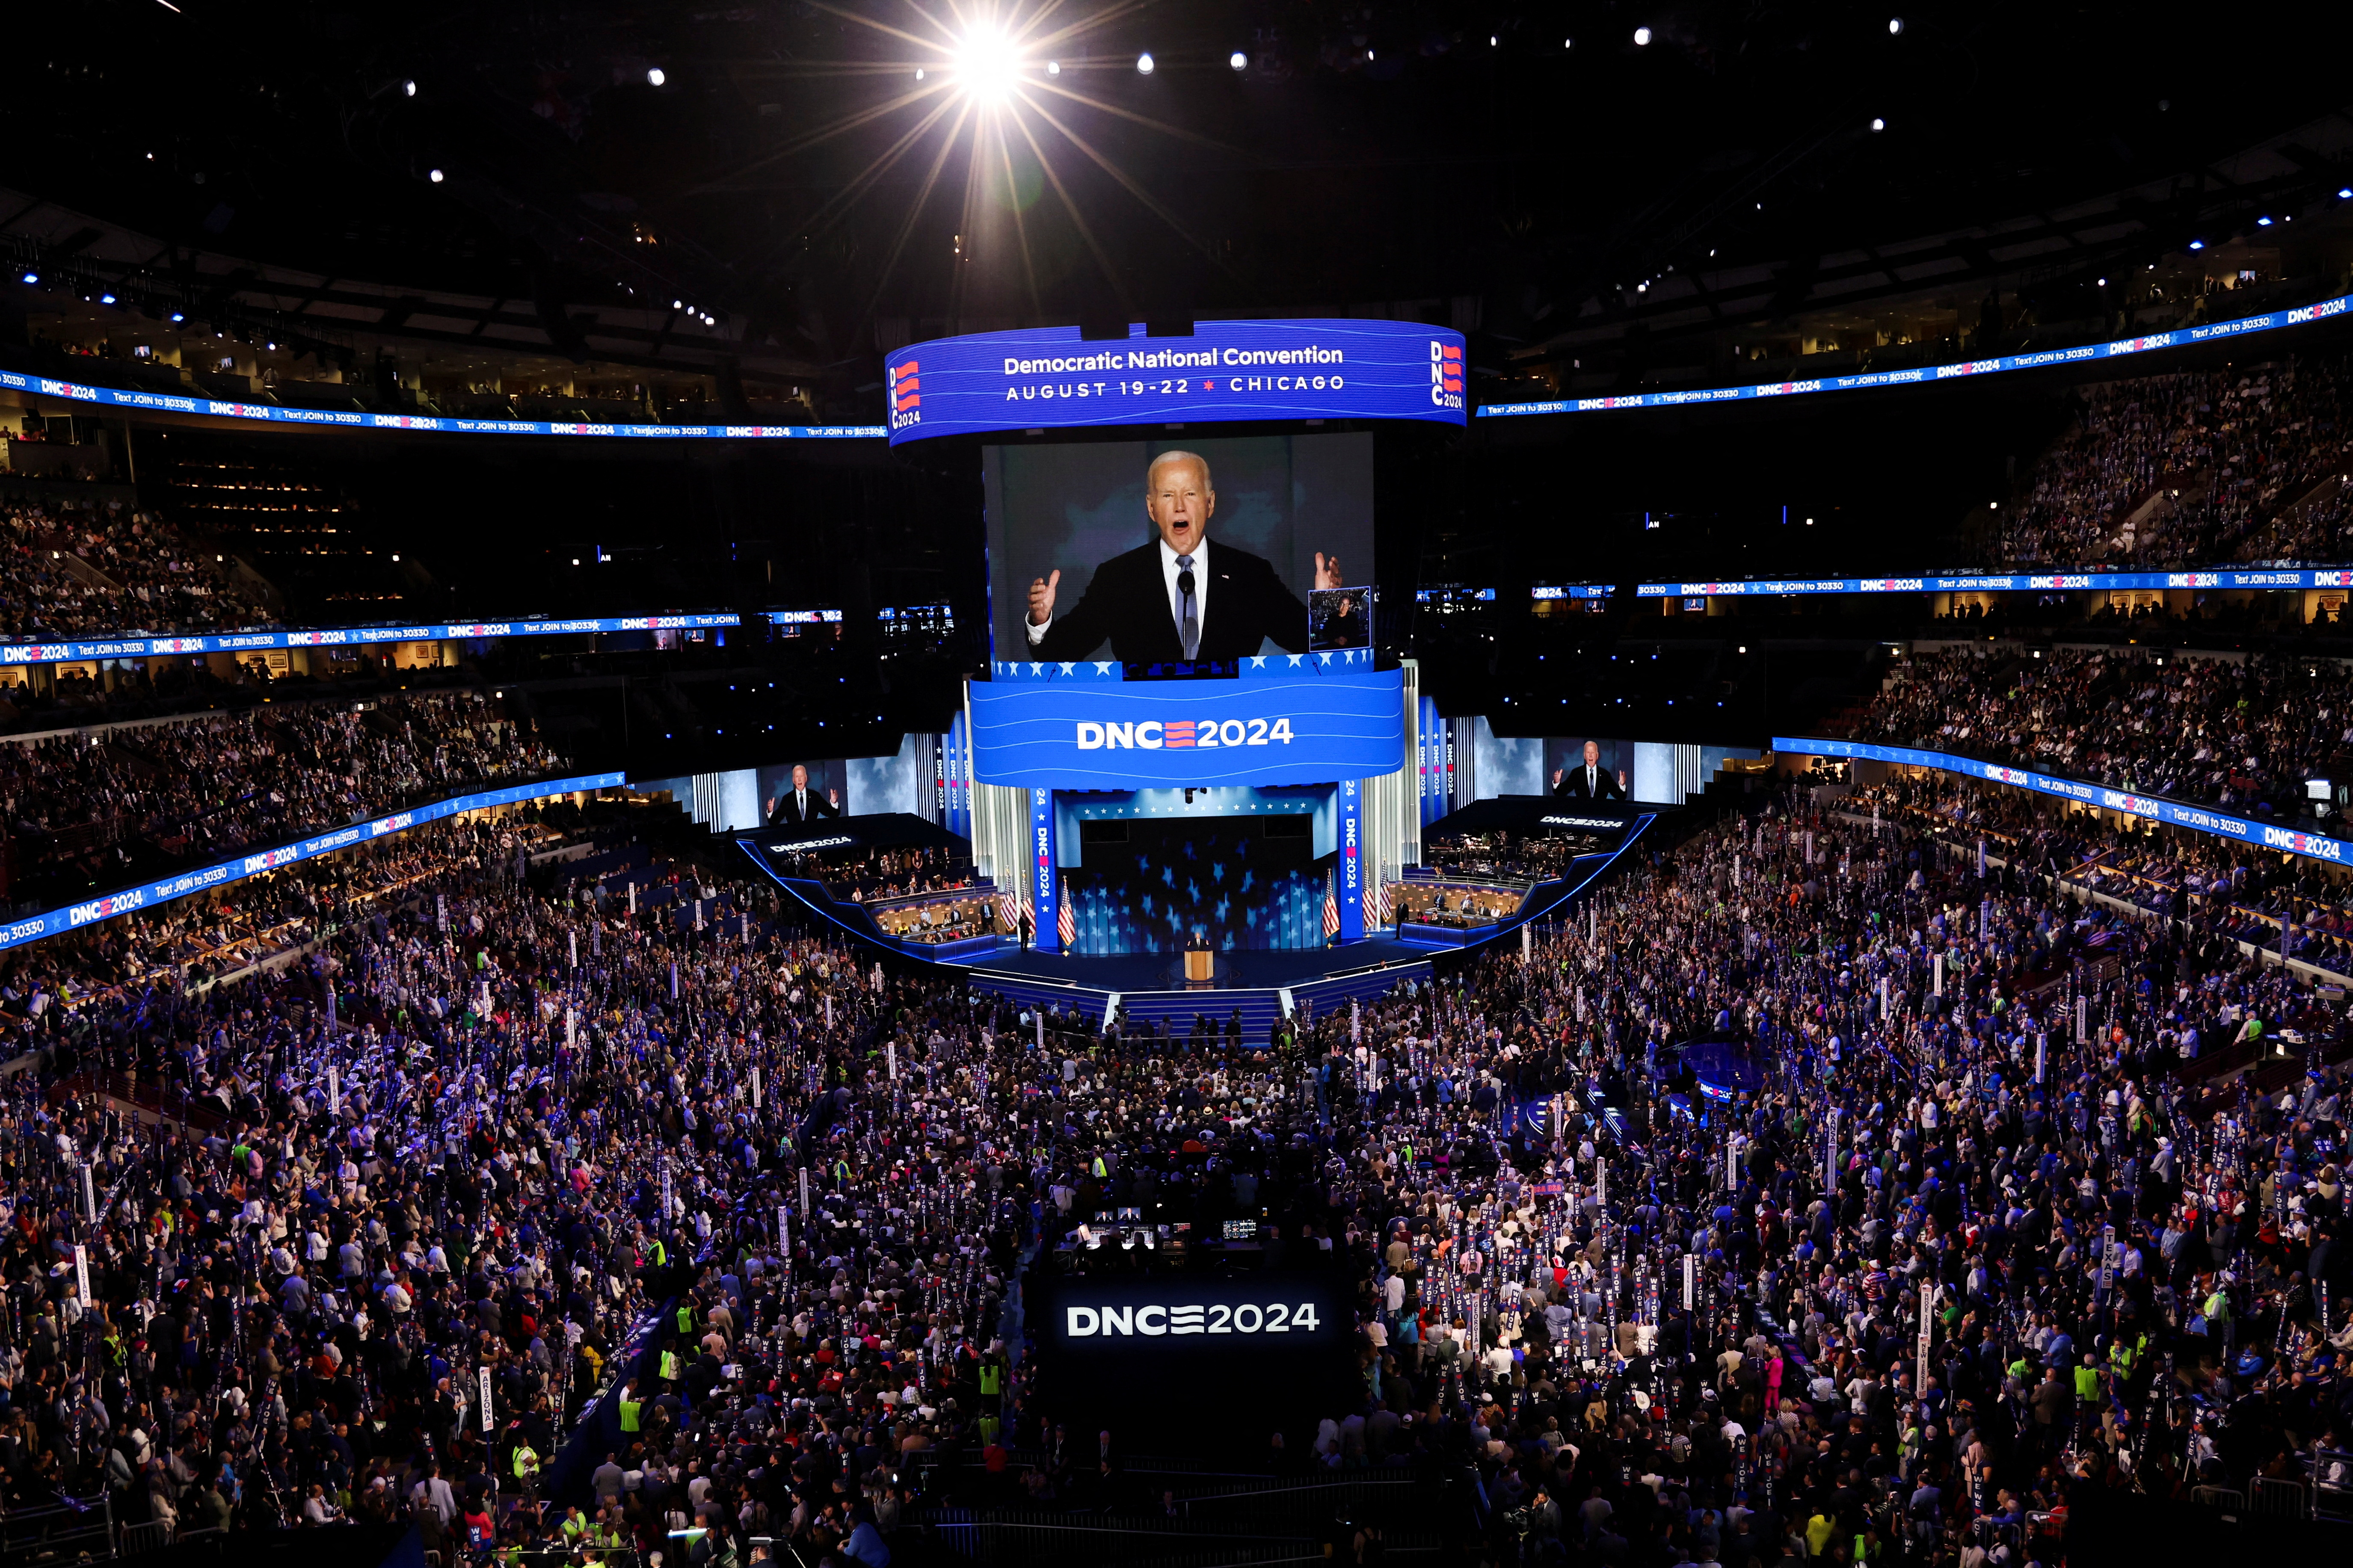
[
  {"x": 1591, "y": 781},
  {"x": 1177, "y": 599},
  {"x": 800, "y": 803}
]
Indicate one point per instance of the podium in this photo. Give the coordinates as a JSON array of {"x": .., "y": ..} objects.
[{"x": 1199, "y": 964}]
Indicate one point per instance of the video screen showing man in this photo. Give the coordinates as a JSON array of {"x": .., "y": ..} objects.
[
  {"x": 1240, "y": 530},
  {"x": 801, "y": 803},
  {"x": 1591, "y": 781},
  {"x": 1172, "y": 599},
  {"x": 1339, "y": 617}
]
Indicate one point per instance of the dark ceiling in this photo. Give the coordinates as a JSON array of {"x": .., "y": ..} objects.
[{"x": 792, "y": 174}]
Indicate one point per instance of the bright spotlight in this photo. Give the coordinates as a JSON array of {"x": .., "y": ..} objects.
[
  {"x": 1238, "y": 60},
  {"x": 177, "y": 317},
  {"x": 435, "y": 176},
  {"x": 408, "y": 90},
  {"x": 654, "y": 76},
  {"x": 1053, "y": 68},
  {"x": 986, "y": 66},
  {"x": 32, "y": 277},
  {"x": 1642, "y": 35},
  {"x": 1895, "y": 27},
  {"x": 1143, "y": 63},
  {"x": 2196, "y": 244},
  {"x": 106, "y": 298},
  {"x": 1877, "y": 123}
]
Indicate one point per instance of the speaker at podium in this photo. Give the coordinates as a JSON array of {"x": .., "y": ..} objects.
[{"x": 1200, "y": 963}]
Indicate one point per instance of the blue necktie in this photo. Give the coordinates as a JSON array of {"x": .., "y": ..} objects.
[{"x": 1188, "y": 611}]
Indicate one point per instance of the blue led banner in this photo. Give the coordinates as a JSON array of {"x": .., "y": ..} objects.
[
  {"x": 1352, "y": 864},
  {"x": 2272, "y": 320},
  {"x": 1050, "y": 378},
  {"x": 2196, "y": 818},
  {"x": 353, "y": 420},
  {"x": 74, "y": 916},
  {"x": 68, "y": 650},
  {"x": 1302, "y": 728},
  {"x": 1045, "y": 875},
  {"x": 2012, "y": 582}
]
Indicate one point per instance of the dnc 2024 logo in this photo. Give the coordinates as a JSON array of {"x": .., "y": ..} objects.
[
  {"x": 1182, "y": 735},
  {"x": 906, "y": 395},
  {"x": 1445, "y": 375}
]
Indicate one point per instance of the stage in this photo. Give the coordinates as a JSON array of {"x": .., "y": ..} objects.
[{"x": 1263, "y": 985}]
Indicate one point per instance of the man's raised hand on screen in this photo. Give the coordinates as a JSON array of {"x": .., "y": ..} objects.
[
  {"x": 1327, "y": 573},
  {"x": 1042, "y": 596}
]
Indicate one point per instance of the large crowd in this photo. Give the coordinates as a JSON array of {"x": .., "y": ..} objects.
[
  {"x": 541, "y": 1123},
  {"x": 106, "y": 570},
  {"x": 2186, "y": 468},
  {"x": 2249, "y": 732},
  {"x": 89, "y": 810}
]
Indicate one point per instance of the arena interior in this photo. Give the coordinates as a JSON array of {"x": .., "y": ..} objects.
[{"x": 839, "y": 783}]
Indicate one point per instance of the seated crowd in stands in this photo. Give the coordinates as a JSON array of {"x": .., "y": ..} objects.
[
  {"x": 1505, "y": 855},
  {"x": 2188, "y": 468},
  {"x": 2242, "y": 733},
  {"x": 866, "y": 875},
  {"x": 102, "y": 569},
  {"x": 87, "y": 811},
  {"x": 547, "y": 1125}
]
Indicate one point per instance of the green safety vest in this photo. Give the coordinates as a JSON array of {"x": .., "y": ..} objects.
[
  {"x": 668, "y": 1367},
  {"x": 630, "y": 1408}
]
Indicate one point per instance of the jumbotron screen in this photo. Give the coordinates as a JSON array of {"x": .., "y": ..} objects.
[{"x": 1168, "y": 551}]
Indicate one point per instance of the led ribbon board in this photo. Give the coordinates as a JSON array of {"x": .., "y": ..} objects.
[
  {"x": 1051, "y": 378},
  {"x": 2012, "y": 582},
  {"x": 2196, "y": 818},
  {"x": 147, "y": 896},
  {"x": 68, "y": 650},
  {"x": 353, "y": 419},
  {"x": 1288, "y": 718},
  {"x": 2270, "y": 322}
]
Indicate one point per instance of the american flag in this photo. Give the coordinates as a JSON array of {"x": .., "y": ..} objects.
[
  {"x": 1331, "y": 907},
  {"x": 1009, "y": 909},
  {"x": 1067, "y": 921},
  {"x": 1376, "y": 901}
]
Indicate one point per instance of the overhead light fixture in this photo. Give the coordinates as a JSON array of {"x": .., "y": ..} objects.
[
  {"x": 408, "y": 89},
  {"x": 1238, "y": 60},
  {"x": 985, "y": 65},
  {"x": 2196, "y": 244},
  {"x": 1143, "y": 63},
  {"x": 1877, "y": 123},
  {"x": 435, "y": 176},
  {"x": 2346, "y": 194},
  {"x": 2262, "y": 222},
  {"x": 32, "y": 277},
  {"x": 654, "y": 76},
  {"x": 1642, "y": 35},
  {"x": 1895, "y": 27},
  {"x": 106, "y": 298},
  {"x": 177, "y": 317},
  {"x": 1053, "y": 68}
]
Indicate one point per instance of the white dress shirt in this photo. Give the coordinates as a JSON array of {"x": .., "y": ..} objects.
[{"x": 1168, "y": 570}]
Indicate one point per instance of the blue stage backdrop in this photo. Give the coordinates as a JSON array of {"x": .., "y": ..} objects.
[
  {"x": 1246, "y": 869},
  {"x": 1242, "y": 882}
]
